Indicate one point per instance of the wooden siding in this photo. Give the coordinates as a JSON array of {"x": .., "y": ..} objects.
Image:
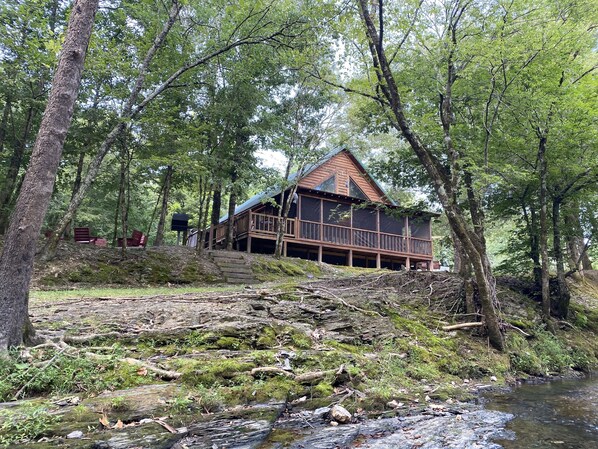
[{"x": 343, "y": 166}]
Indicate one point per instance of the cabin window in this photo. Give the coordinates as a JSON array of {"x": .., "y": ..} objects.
[
  {"x": 328, "y": 186},
  {"x": 364, "y": 219},
  {"x": 310, "y": 209},
  {"x": 336, "y": 213},
  {"x": 355, "y": 191},
  {"x": 390, "y": 224}
]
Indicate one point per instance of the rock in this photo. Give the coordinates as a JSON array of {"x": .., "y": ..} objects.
[
  {"x": 321, "y": 412},
  {"x": 493, "y": 378},
  {"x": 75, "y": 434},
  {"x": 394, "y": 404},
  {"x": 333, "y": 423},
  {"x": 340, "y": 414}
]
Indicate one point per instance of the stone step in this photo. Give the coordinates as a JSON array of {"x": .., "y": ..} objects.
[
  {"x": 227, "y": 254},
  {"x": 225, "y": 260},
  {"x": 241, "y": 281},
  {"x": 239, "y": 276},
  {"x": 235, "y": 268}
]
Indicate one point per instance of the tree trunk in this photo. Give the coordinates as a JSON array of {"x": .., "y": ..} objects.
[
  {"x": 576, "y": 247},
  {"x": 215, "y": 219},
  {"x": 70, "y": 230},
  {"x": 563, "y": 295},
  {"x": 122, "y": 205},
  {"x": 159, "y": 241},
  {"x": 8, "y": 188},
  {"x": 202, "y": 216},
  {"x": 4, "y": 123},
  {"x": 16, "y": 261},
  {"x": 545, "y": 287},
  {"x": 285, "y": 207},
  {"x": 472, "y": 244},
  {"x": 232, "y": 205},
  {"x": 216, "y": 204}
]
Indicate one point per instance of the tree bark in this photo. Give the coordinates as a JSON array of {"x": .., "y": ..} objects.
[
  {"x": 545, "y": 285},
  {"x": 563, "y": 295},
  {"x": 70, "y": 230},
  {"x": 202, "y": 216},
  {"x": 576, "y": 247},
  {"x": 285, "y": 207},
  {"x": 159, "y": 241},
  {"x": 232, "y": 205},
  {"x": 16, "y": 261},
  {"x": 472, "y": 244}
]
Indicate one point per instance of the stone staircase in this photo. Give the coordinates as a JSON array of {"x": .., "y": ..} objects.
[{"x": 233, "y": 266}]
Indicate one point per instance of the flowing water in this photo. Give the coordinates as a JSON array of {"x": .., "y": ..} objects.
[{"x": 559, "y": 414}]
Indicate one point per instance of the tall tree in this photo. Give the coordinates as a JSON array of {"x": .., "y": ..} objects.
[
  {"x": 447, "y": 182},
  {"x": 16, "y": 261}
]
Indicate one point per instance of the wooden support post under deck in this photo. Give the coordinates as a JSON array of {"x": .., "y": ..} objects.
[
  {"x": 249, "y": 243},
  {"x": 378, "y": 262},
  {"x": 284, "y": 249},
  {"x": 408, "y": 263},
  {"x": 320, "y": 254},
  {"x": 350, "y": 261}
]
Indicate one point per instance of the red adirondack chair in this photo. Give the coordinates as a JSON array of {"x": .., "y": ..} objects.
[
  {"x": 83, "y": 235},
  {"x": 137, "y": 240}
]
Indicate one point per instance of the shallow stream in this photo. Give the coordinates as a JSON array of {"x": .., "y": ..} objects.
[{"x": 559, "y": 414}]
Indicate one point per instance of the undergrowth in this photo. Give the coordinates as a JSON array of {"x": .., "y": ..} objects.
[{"x": 50, "y": 373}]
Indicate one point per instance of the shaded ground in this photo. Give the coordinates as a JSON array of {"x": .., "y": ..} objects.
[{"x": 195, "y": 369}]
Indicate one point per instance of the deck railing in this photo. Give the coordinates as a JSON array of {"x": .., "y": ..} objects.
[
  {"x": 346, "y": 236},
  {"x": 266, "y": 224},
  {"x": 328, "y": 233}
]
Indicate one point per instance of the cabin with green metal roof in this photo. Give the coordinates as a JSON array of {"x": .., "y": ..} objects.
[{"x": 339, "y": 215}]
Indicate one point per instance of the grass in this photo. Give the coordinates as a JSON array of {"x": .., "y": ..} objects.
[{"x": 57, "y": 295}]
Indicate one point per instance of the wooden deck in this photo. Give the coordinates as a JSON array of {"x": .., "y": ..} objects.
[{"x": 257, "y": 225}]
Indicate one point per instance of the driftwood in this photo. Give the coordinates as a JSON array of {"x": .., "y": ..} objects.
[{"x": 462, "y": 326}]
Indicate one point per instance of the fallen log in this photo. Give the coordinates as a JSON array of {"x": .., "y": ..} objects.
[{"x": 462, "y": 326}]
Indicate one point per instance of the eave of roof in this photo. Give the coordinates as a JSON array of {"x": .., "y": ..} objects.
[{"x": 273, "y": 191}]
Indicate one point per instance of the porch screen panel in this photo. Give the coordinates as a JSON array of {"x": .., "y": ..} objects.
[
  {"x": 310, "y": 218},
  {"x": 336, "y": 213},
  {"x": 365, "y": 228},
  {"x": 420, "y": 227},
  {"x": 310, "y": 209},
  {"x": 390, "y": 224},
  {"x": 364, "y": 219},
  {"x": 337, "y": 220}
]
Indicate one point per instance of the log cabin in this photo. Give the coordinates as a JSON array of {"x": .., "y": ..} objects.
[{"x": 339, "y": 215}]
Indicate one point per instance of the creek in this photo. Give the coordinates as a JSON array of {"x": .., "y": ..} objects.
[{"x": 558, "y": 414}]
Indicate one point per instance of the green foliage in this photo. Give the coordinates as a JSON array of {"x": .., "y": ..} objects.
[
  {"x": 25, "y": 423},
  {"x": 545, "y": 354},
  {"x": 65, "y": 374}
]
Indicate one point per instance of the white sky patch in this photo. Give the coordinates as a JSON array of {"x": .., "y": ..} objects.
[{"x": 272, "y": 159}]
